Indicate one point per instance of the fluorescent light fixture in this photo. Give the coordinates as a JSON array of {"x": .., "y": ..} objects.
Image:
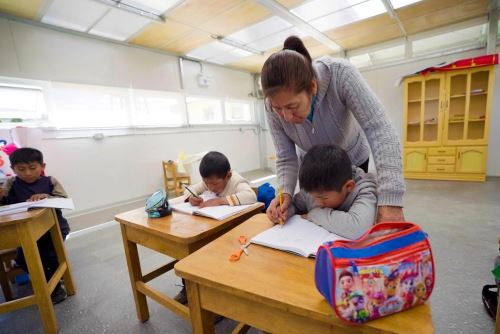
[
  {"x": 259, "y": 30},
  {"x": 136, "y": 7},
  {"x": 238, "y": 45},
  {"x": 157, "y": 7}
]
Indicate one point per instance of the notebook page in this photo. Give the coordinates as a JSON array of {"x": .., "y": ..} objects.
[
  {"x": 221, "y": 212},
  {"x": 297, "y": 235}
]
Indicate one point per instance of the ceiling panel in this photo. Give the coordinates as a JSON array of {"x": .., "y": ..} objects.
[
  {"x": 291, "y": 3},
  {"x": 349, "y": 15},
  {"x": 260, "y": 30},
  {"x": 426, "y": 7},
  {"x": 188, "y": 42},
  {"x": 402, "y": 3},
  {"x": 119, "y": 24},
  {"x": 378, "y": 23},
  {"x": 158, "y": 34},
  {"x": 27, "y": 9},
  {"x": 370, "y": 37},
  {"x": 197, "y": 12},
  {"x": 252, "y": 64},
  {"x": 275, "y": 40},
  {"x": 444, "y": 16},
  {"x": 236, "y": 18},
  {"x": 317, "y": 8},
  {"x": 77, "y": 15}
]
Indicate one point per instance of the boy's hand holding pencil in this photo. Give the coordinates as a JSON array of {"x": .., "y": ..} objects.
[{"x": 194, "y": 199}]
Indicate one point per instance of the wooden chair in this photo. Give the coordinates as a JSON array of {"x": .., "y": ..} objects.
[
  {"x": 7, "y": 272},
  {"x": 172, "y": 179}
]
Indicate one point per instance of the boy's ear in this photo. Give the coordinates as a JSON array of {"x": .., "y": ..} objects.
[
  {"x": 349, "y": 185},
  {"x": 228, "y": 175},
  {"x": 43, "y": 166}
]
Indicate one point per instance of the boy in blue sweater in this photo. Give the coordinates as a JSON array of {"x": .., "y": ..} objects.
[{"x": 30, "y": 185}]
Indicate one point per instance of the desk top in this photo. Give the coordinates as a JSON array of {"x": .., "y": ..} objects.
[
  {"x": 179, "y": 227},
  {"x": 20, "y": 217},
  {"x": 279, "y": 279}
]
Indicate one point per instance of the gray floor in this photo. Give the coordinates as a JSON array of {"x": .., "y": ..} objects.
[{"x": 460, "y": 218}]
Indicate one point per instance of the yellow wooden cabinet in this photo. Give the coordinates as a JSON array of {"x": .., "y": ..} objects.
[{"x": 446, "y": 123}]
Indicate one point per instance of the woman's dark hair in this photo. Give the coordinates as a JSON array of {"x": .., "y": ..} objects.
[
  {"x": 290, "y": 68},
  {"x": 325, "y": 168},
  {"x": 214, "y": 164}
]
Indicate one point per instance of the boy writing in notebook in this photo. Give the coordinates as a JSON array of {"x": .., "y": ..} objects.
[
  {"x": 228, "y": 186},
  {"x": 334, "y": 194},
  {"x": 30, "y": 185}
]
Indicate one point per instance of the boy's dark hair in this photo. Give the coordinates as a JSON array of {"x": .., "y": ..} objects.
[
  {"x": 25, "y": 155},
  {"x": 325, "y": 168},
  {"x": 214, "y": 164}
]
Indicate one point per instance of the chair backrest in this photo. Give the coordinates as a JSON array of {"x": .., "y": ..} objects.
[{"x": 172, "y": 180}]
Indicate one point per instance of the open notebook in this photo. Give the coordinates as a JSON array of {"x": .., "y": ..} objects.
[
  {"x": 53, "y": 202},
  {"x": 220, "y": 212},
  {"x": 297, "y": 235}
]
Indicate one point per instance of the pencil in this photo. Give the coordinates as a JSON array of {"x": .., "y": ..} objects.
[
  {"x": 192, "y": 193},
  {"x": 281, "y": 203}
]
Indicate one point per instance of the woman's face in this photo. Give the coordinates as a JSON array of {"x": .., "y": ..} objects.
[{"x": 292, "y": 107}]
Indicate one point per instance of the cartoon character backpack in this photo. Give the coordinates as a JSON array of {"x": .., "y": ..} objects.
[{"x": 389, "y": 269}]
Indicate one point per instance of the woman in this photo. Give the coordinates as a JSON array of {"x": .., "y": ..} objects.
[{"x": 328, "y": 102}]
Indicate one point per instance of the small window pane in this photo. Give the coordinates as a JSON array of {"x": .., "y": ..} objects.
[
  {"x": 155, "y": 108},
  {"x": 81, "y": 106},
  {"x": 204, "y": 110},
  {"x": 238, "y": 111},
  {"x": 19, "y": 102}
]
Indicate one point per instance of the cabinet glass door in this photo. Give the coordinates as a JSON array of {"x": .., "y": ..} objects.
[
  {"x": 456, "y": 107},
  {"x": 431, "y": 119},
  {"x": 414, "y": 112},
  {"x": 478, "y": 95}
]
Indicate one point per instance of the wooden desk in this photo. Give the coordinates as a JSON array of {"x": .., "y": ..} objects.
[
  {"x": 177, "y": 236},
  {"x": 24, "y": 229},
  {"x": 271, "y": 290}
]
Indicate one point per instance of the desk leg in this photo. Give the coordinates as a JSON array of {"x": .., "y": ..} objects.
[
  {"x": 38, "y": 280},
  {"x": 202, "y": 321},
  {"x": 62, "y": 257},
  {"x": 134, "y": 271}
]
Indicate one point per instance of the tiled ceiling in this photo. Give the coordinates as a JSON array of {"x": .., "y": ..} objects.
[{"x": 200, "y": 28}]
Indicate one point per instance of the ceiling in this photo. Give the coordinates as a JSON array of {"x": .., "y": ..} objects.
[{"x": 253, "y": 29}]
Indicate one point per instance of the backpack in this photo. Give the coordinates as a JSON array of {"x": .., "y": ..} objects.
[{"x": 387, "y": 270}]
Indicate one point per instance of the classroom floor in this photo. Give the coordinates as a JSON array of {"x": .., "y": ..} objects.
[{"x": 462, "y": 220}]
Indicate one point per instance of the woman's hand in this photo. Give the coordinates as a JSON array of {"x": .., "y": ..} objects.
[
  {"x": 275, "y": 212},
  {"x": 390, "y": 214},
  {"x": 195, "y": 201}
]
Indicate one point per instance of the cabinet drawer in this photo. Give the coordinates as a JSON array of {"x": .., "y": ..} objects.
[
  {"x": 441, "y": 168},
  {"x": 442, "y": 160},
  {"x": 442, "y": 150}
]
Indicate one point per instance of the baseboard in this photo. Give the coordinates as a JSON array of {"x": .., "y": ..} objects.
[{"x": 96, "y": 216}]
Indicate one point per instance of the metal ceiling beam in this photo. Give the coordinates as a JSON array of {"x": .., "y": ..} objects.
[
  {"x": 492, "y": 27},
  {"x": 279, "y": 10},
  {"x": 392, "y": 13},
  {"x": 118, "y": 4}
]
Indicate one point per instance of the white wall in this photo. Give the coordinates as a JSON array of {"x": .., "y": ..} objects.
[
  {"x": 382, "y": 81},
  {"x": 122, "y": 168}
]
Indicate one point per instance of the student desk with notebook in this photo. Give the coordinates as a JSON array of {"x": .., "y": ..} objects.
[
  {"x": 177, "y": 236},
  {"x": 24, "y": 229},
  {"x": 271, "y": 290}
]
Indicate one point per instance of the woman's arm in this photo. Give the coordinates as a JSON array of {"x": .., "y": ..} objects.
[
  {"x": 384, "y": 143},
  {"x": 287, "y": 166}
]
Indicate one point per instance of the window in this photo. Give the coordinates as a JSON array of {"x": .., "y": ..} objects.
[
  {"x": 238, "y": 111},
  {"x": 202, "y": 110},
  {"x": 156, "y": 108},
  {"x": 22, "y": 102},
  {"x": 83, "y": 106}
]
